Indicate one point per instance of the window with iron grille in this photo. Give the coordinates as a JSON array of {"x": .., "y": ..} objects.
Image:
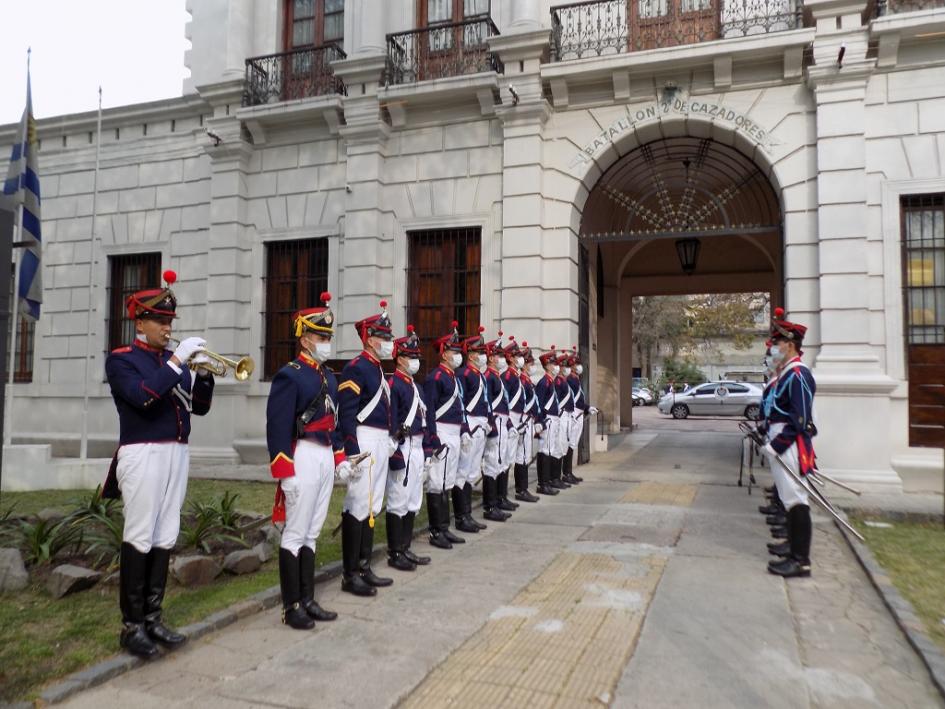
[
  {"x": 443, "y": 284},
  {"x": 296, "y": 276},
  {"x": 25, "y": 331},
  {"x": 127, "y": 274},
  {"x": 312, "y": 23},
  {"x": 923, "y": 265}
]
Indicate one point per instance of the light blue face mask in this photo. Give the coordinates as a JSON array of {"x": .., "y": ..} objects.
[{"x": 776, "y": 354}]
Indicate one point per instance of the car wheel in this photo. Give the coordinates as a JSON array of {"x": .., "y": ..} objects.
[
  {"x": 637, "y": 402},
  {"x": 753, "y": 412},
  {"x": 679, "y": 411}
]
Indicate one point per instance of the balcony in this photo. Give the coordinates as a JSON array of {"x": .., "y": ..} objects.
[
  {"x": 892, "y": 7},
  {"x": 301, "y": 73},
  {"x": 603, "y": 27},
  {"x": 442, "y": 51}
]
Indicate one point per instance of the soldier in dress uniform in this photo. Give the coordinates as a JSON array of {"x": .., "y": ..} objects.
[
  {"x": 364, "y": 419},
  {"x": 479, "y": 421},
  {"x": 520, "y": 399},
  {"x": 534, "y": 420},
  {"x": 304, "y": 449},
  {"x": 446, "y": 424},
  {"x": 547, "y": 402},
  {"x": 408, "y": 464},
  {"x": 155, "y": 393},
  {"x": 774, "y": 510},
  {"x": 495, "y": 459},
  {"x": 582, "y": 409},
  {"x": 565, "y": 413},
  {"x": 788, "y": 407}
]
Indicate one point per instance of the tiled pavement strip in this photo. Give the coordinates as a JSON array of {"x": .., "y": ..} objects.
[{"x": 643, "y": 587}]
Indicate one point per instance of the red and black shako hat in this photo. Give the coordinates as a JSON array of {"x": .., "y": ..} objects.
[
  {"x": 512, "y": 349},
  {"x": 475, "y": 343},
  {"x": 409, "y": 345},
  {"x": 154, "y": 303},
  {"x": 496, "y": 346},
  {"x": 375, "y": 325},
  {"x": 782, "y": 329},
  {"x": 549, "y": 357},
  {"x": 451, "y": 340},
  {"x": 526, "y": 352},
  {"x": 319, "y": 320}
]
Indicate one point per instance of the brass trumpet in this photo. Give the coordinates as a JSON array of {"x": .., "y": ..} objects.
[{"x": 242, "y": 368}]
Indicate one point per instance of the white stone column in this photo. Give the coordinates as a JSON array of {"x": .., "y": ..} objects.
[
  {"x": 849, "y": 372},
  {"x": 369, "y": 22},
  {"x": 526, "y": 15}
]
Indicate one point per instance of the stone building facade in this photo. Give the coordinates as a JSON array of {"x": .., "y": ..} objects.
[{"x": 528, "y": 167}]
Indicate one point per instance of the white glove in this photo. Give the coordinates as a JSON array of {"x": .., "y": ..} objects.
[
  {"x": 539, "y": 429},
  {"x": 290, "y": 488},
  {"x": 593, "y": 410},
  {"x": 392, "y": 446},
  {"x": 201, "y": 358},
  {"x": 425, "y": 474},
  {"x": 347, "y": 472},
  {"x": 188, "y": 348},
  {"x": 465, "y": 442}
]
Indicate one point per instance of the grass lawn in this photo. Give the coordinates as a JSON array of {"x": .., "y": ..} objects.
[
  {"x": 42, "y": 639},
  {"x": 913, "y": 554}
]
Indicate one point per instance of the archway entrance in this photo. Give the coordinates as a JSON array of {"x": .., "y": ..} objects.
[{"x": 675, "y": 216}]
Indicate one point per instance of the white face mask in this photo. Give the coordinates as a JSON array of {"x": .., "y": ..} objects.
[
  {"x": 566, "y": 371},
  {"x": 501, "y": 364},
  {"x": 322, "y": 352},
  {"x": 456, "y": 360},
  {"x": 413, "y": 366},
  {"x": 519, "y": 362},
  {"x": 579, "y": 369},
  {"x": 481, "y": 361},
  {"x": 776, "y": 354},
  {"x": 386, "y": 349},
  {"x": 555, "y": 369},
  {"x": 535, "y": 373}
]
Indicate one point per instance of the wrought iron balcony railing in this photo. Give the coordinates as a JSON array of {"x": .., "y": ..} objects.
[
  {"x": 892, "y": 7},
  {"x": 600, "y": 27},
  {"x": 441, "y": 51},
  {"x": 301, "y": 73}
]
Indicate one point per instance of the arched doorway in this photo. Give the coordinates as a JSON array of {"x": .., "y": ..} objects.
[{"x": 675, "y": 216}]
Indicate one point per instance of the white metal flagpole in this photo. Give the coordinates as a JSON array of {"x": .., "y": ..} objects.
[{"x": 84, "y": 446}]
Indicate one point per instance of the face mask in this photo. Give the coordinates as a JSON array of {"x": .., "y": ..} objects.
[
  {"x": 519, "y": 362},
  {"x": 555, "y": 370},
  {"x": 566, "y": 371},
  {"x": 456, "y": 360},
  {"x": 386, "y": 350},
  {"x": 501, "y": 364},
  {"x": 535, "y": 373},
  {"x": 579, "y": 369},
  {"x": 481, "y": 360},
  {"x": 413, "y": 366},
  {"x": 776, "y": 354},
  {"x": 322, "y": 351}
]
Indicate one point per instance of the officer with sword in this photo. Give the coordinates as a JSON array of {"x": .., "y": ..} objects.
[{"x": 521, "y": 397}]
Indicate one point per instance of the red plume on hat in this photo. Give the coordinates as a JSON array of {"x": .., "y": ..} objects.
[
  {"x": 784, "y": 329},
  {"x": 318, "y": 319},
  {"x": 375, "y": 325},
  {"x": 154, "y": 302}
]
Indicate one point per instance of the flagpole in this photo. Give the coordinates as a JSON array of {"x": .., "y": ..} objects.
[
  {"x": 84, "y": 445},
  {"x": 14, "y": 320}
]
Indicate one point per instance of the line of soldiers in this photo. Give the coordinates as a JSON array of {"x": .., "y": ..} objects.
[
  {"x": 479, "y": 414},
  {"x": 788, "y": 426}
]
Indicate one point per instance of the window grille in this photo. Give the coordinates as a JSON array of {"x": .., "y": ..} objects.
[
  {"x": 127, "y": 274},
  {"x": 443, "y": 284},
  {"x": 296, "y": 276},
  {"x": 923, "y": 278},
  {"x": 25, "y": 333}
]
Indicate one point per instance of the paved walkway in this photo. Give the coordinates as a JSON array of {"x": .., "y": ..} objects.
[{"x": 643, "y": 587}]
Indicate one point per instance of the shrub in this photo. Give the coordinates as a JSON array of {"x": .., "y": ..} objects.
[{"x": 41, "y": 541}]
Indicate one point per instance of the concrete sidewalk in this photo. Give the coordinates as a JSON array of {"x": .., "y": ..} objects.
[{"x": 643, "y": 587}]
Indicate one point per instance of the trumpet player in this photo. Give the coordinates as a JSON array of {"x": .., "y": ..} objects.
[
  {"x": 155, "y": 393},
  {"x": 304, "y": 450}
]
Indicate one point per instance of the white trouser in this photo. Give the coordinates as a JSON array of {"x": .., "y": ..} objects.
[
  {"x": 548, "y": 443},
  {"x": 152, "y": 478},
  {"x": 575, "y": 428},
  {"x": 470, "y": 462},
  {"x": 520, "y": 453},
  {"x": 401, "y": 498},
  {"x": 791, "y": 492},
  {"x": 495, "y": 457},
  {"x": 365, "y": 495},
  {"x": 443, "y": 471},
  {"x": 512, "y": 444},
  {"x": 305, "y": 512}
]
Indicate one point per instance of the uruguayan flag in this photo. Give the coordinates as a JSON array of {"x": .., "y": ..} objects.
[{"x": 22, "y": 187}]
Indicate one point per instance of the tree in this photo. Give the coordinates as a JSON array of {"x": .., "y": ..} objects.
[
  {"x": 731, "y": 316},
  {"x": 658, "y": 321}
]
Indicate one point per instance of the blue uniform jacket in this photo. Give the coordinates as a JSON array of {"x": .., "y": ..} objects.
[
  {"x": 401, "y": 399},
  {"x": 437, "y": 390},
  {"x": 470, "y": 380},
  {"x": 512, "y": 381},
  {"x": 293, "y": 389},
  {"x": 577, "y": 393},
  {"x": 529, "y": 395},
  {"x": 565, "y": 400},
  {"x": 547, "y": 396},
  {"x": 360, "y": 380},
  {"x": 790, "y": 401},
  {"x": 154, "y": 401}
]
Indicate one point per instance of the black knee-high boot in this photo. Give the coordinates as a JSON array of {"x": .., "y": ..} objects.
[
  {"x": 457, "y": 513},
  {"x": 521, "y": 484},
  {"x": 396, "y": 545},
  {"x": 364, "y": 558},
  {"x": 799, "y": 538},
  {"x": 467, "y": 502},
  {"x": 490, "y": 504},
  {"x": 408, "y": 540},
  {"x": 351, "y": 580},
  {"x": 132, "y": 581},
  {"x": 568, "y": 473},
  {"x": 463, "y": 521},
  {"x": 293, "y": 614},
  {"x": 157, "y": 563},
  {"x": 503, "y": 490},
  {"x": 436, "y": 516},
  {"x": 544, "y": 475},
  {"x": 307, "y": 586}
]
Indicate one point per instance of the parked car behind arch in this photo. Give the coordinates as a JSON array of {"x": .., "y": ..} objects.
[{"x": 725, "y": 398}]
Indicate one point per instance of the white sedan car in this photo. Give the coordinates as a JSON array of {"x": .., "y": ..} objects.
[{"x": 714, "y": 399}]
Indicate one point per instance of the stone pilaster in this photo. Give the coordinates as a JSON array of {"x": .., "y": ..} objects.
[{"x": 850, "y": 375}]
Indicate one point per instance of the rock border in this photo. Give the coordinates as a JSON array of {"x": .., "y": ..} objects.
[{"x": 900, "y": 609}]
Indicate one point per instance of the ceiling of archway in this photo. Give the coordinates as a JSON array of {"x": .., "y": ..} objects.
[{"x": 680, "y": 187}]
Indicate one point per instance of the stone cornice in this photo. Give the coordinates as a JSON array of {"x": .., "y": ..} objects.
[
  {"x": 366, "y": 69},
  {"x": 223, "y": 93},
  {"x": 516, "y": 46},
  {"x": 533, "y": 112}
]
